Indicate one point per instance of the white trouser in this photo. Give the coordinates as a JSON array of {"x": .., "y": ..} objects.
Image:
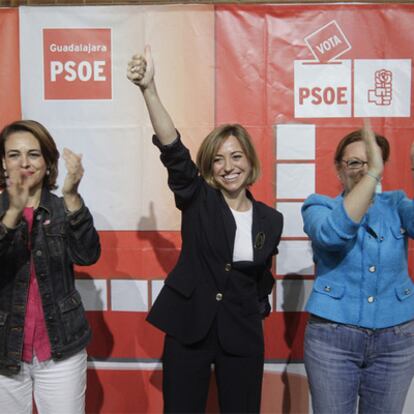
[{"x": 57, "y": 387}]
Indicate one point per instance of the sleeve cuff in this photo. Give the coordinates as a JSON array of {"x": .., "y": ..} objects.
[
  {"x": 5, "y": 231},
  {"x": 75, "y": 216},
  {"x": 264, "y": 307},
  {"x": 165, "y": 148}
]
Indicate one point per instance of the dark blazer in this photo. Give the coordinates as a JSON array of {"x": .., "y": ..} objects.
[{"x": 205, "y": 283}]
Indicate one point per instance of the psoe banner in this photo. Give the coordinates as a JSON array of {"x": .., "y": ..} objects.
[
  {"x": 326, "y": 87},
  {"x": 9, "y": 64}
]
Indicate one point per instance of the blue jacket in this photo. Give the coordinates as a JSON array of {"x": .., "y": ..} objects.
[{"x": 361, "y": 268}]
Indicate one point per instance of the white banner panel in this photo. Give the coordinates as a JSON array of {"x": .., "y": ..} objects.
[
  {"x": 323, "y": 90},
  {"x": 78, "y": 57}
]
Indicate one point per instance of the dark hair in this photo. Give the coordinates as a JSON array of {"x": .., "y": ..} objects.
[
  {"x": 47, "y": 146},
  {"x": 211, "y": 143},
  {"x": 356, "y": 136}
]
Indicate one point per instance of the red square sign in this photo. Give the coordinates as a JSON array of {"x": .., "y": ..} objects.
[{"x": 77, "y": 63}]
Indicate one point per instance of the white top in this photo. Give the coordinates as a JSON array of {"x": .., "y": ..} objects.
[{"x": 243, "y": 242}]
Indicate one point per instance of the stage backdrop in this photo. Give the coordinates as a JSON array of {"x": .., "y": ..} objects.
[{"x": 298, "y": 77}]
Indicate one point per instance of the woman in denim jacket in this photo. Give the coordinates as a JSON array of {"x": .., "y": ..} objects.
[
  {"x": 359, "y": 341},
  {"x": 43, "y": 329}
]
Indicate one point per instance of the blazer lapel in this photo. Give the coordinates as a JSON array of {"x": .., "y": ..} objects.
[
  {"x": 229, "y": 225},
  {"x": 372, "y": 221},
  {"x": 259, "y": 233},
  {"x": 259, "y": 229}
]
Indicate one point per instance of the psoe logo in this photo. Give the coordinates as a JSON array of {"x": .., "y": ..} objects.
[
  {"x": 77, "y": 64},
  {"x": 382, "y": 87},
  {"x": 326, "y": 87}
]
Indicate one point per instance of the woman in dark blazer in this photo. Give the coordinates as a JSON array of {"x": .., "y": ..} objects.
[{"x": 213, "y": 301}]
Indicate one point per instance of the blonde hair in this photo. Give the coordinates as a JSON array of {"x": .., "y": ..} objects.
[{"x": 211, "y": 143}]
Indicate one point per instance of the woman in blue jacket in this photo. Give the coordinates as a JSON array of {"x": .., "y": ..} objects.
[{"x": 359, "y": 340}]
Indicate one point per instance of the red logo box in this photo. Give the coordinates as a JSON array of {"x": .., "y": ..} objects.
[{"x": 77, "y": 63}]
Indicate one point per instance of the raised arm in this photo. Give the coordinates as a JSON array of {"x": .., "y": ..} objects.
[
  {"x": 141, "y": 73},
  {"x": 358, "y": 200}
]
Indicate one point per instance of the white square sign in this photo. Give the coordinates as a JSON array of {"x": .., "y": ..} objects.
[
  {"x": 382, "y": 87},
  {"x": 323, "y": 90}
]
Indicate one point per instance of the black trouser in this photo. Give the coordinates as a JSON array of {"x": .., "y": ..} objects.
[{"x": 187, "y": 371}]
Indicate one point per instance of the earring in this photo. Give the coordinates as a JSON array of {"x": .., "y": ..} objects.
[
  {"x": 6, "y": 175},
  {"x": 48, "y": 172}
]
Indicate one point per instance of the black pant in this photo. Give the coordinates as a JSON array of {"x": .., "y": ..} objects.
[{"x": 187, "y": 371}]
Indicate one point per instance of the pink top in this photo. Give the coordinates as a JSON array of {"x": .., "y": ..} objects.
[{"x": 35, "y": 339}]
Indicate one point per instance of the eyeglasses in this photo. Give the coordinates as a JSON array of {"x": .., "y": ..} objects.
[{"x": 354, "y": 163}]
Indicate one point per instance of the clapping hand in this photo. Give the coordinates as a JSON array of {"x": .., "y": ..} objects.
[
  {"x": 18, "y": 188},
  {"x": 73, "y": 178},
  {"x": 374, "y": 153}
]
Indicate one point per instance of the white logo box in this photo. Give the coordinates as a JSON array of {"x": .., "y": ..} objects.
[{"x": 327, "y": 90}]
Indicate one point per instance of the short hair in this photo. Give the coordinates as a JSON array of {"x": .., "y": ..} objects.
[
  {"x": 356, "y": 136},
  {"x": 211, "y": 143},
  {"x": 47, "y": 146}
]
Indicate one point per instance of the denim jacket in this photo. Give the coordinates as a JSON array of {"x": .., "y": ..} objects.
[
  {"x": 59, "y": 240},
  {"x": 361, "y": 268}
]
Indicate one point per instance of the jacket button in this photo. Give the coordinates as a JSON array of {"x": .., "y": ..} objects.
[
  {"x": 38, "y": 253},
  {"x": 16, "y": 329},
  {"x": 227, "y": 267},
  {"x": 407, "y": 291},
  {"x": 372, "y": 269},
  {"x": 327, "y": 288},
  {"x": 371, "y": 299},
  {"x": 219, "y": 297},
  {"x": 59, "y": 355}
]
